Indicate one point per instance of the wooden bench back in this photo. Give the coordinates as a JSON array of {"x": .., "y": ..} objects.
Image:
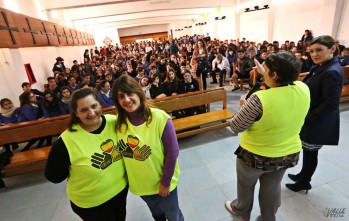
[
  {"x": 21, "y": 132},
  {"x": 345, "y": 73},
  {"x": 192, "y": 99}
]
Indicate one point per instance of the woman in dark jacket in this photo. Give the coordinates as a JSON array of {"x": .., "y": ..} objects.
[{"x": 321, "y": 126}]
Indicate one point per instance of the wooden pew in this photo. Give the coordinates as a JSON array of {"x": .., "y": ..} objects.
[
  {"x": 191, "y": 125},
  {"x": 345, "y": 89},
  {"x": 34, "y": 159}
]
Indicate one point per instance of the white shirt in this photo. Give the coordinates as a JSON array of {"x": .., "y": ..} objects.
[{"x": 223, "y": 65}]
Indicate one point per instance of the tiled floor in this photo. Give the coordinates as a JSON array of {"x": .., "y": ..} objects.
[{"x": 207, "y": 179}]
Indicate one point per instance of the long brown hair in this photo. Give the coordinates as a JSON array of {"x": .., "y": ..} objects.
[
  {"x": 77, "y": 95},
  {"x": 129, "y": 85}
]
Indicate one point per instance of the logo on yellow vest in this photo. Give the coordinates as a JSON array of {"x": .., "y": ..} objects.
[
  {"x": 131, "y": 149},
  {"x": 110, "y": 154}
]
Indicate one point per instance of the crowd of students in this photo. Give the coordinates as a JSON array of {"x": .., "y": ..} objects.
[
  {"x": 159, "y": 66},
  {"x": 128, "y": 76}
]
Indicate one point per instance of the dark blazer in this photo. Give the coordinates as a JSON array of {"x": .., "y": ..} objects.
[{"x": 325, "y": 83}]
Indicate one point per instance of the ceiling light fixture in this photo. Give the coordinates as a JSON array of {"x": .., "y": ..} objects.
[{"x": 256, "y": 8}]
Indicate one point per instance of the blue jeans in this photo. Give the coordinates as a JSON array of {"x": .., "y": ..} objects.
[{"x": 164, "y": 205}]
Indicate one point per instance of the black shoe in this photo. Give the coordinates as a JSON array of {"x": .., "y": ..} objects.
[
  {"x": 294, "y": 177},
  {"x": 213, "y": 82},
  {"x": 236, "y": 88},
  {"x": 299, "y": 186}
]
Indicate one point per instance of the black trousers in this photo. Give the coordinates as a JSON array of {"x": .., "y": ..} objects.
[
  {"x": 202, "y": 72},
  {"x": 221, "y": 74},
  {"x": 113, "y": 210},
  {"x": 310, "y": 162}
]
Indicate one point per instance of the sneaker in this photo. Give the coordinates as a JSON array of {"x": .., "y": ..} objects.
[
  {"x": 213, "y": 82},
  {"x": 236, "y": 88},
  {"x": 231, "y": 210}
]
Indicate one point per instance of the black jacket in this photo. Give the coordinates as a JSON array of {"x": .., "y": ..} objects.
[{"x": 325, "y": 83}]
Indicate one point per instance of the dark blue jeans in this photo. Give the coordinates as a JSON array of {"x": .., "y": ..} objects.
[{"x": 164, "y": 205}]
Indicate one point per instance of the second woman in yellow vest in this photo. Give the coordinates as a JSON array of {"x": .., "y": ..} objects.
[
  {"x": 148, "y": 142},
  {"x": 271, "y": 121}
]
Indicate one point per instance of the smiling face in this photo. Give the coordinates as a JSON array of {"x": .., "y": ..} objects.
[
  {"x": 128, "y": 101},
  {"x": 320, "y": 53},
  {"x": 89, "y": 112}
]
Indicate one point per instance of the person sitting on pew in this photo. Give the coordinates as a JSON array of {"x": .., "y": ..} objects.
[
  {"x": 109, "y": 78},
  {"x": 140, "y": 74},
  {"x": 31, "y": 109},
  {"x": 26, "y": 87},
  {"x": 52, "y": 86},
  {"x": 242, "y": 70},
  {"x": 304, "y": 57},
  {"x": 65, "y": 99},
  {"x": 72, "y": 84},
  {"x": 171, "y": 83},
  {"x": 105, "y": 94},
  {"x": 190, "y": 85},
  {"x": 161, "y": 68},
  {"x": 8, "y": 115},
  {"x": 344, "y": 58},
  {"x": 156, "y": 89},
  {"x": 61, "y": 79},
  {"x": 145, "y": 84},
  {"x": 86, "y": 80},
  {"x": 51, "y": 106}
]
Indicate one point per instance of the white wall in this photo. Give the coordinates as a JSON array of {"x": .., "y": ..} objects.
[
  {"x": 292, "y": 17},
  {"x": 287, "y": 20},
  {"x": 254, "y": 25},
  {"x": 41, "y": 60},
  {"x": 140, "y": 30},
  {"x": 100, "y": 34},
  {"x": 343, "y": 31},
  {"x": 12, "y": 72},
  {"x": 222, "y": 29}
]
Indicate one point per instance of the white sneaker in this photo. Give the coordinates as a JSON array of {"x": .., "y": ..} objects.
[{"x": 230, "y": 209}]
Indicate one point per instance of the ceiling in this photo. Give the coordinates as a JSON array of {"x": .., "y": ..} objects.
[{"x": 88, "y": 14}]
